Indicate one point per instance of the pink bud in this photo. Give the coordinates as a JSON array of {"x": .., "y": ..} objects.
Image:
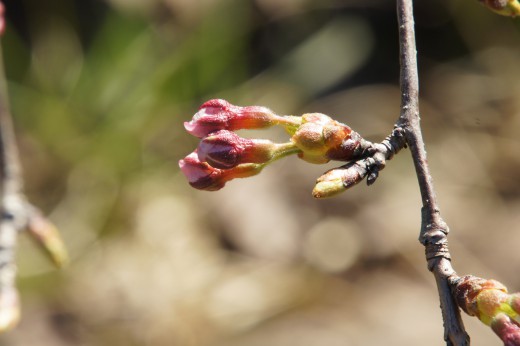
[
  {"x": 219, "y": 114},
  {"x": 2, "y": 18},
  {"x": 225, "y": 149},
  {"x": 515, "y": 302},
  {"x": 506, "y": 329},
  {"x": 201, "y": 175}
]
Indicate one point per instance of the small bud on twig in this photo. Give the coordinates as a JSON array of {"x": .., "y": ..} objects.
[
  {"x": 506, "y": 329},
  {"x": 321, "y": 139},
  {"x": 225, "y": 149},
  {"x": 202, "y": 176},
  {"x": 338, "y": 180},
  {"x": 48, "y": 237},
  {"x": 488, "y": 300},
  {"x": 218, "y": 114}
]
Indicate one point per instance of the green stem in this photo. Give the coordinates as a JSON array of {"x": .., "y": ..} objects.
[
  {"x": 283, "y": 150},
  {"x": 291, "y": 123}
]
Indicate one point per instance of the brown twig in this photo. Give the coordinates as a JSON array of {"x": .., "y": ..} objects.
[{"x": 434, "y": 231}]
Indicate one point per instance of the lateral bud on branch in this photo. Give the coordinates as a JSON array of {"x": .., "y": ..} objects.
[
  {"x": 339, "y": 179},
  {"x": 489, "y": 301},
  {"x": 48, "y": 238}
]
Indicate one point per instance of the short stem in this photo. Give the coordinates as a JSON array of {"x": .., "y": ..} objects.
[
  {"x": 284, "y": 149},
  {"x": 289, "y": 122}
]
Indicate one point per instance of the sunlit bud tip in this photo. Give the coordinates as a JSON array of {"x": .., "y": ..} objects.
[{"x": 48, "y": 237}]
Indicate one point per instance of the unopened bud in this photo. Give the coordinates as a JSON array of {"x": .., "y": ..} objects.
[
  {"x": 225, "y": 149},
  {"x": 338, "y": 180},
  {"x": 506, "y": 329},
  {"x": 48, "y": 237},
  {"x": 219, "y": 114},
  {"x": 321, "y": 139},
  {"x": 510, "y": 8},
  {"x": 202, "y": 176},
  {"x": 490, "y": 302},
  {"x": 2, "y": 18},
  {"x": 467, "y": 294},
  {"x": 515, "y": 302}
]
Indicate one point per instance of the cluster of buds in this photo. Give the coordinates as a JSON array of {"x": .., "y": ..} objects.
[
  {"x": 510, "y": 8},
  {"x": 489, "y": 301},
  {"x": 222, "y": 155}
]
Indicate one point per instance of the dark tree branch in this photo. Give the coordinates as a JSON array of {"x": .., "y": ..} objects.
[{"x": 434, "y": 230}]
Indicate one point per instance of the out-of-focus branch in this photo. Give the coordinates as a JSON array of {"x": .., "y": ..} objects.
[
  {"x": 433, "y": 234},
  {"x": 13, "y": 211},
  {"x": 16, "y": 213}
]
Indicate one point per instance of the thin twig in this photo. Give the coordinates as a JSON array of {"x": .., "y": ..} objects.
[
  {"x": 13, "y": 208},
  {"x": 16, "y": 214},
  {"x": 434, "y": 230}
]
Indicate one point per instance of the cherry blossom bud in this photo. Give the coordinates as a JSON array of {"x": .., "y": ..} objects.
[
  {"x": 219, "y": 114},
  {"x": 480, "y": 297},
  {"x": 510, "y": 8},
  {"x": 321, "y": 139},
  {"x": 225, "y": 149},
  {"x": 515, "y": 302},
  {"x": 489, "y": 301},
  {"x": 338, "y": 180},
  {"x": 48, "y": 237},
  {"x": 506, "y": 329},
  {"x": 202, "y": 176},
  {"x": 2, "y": 18}
]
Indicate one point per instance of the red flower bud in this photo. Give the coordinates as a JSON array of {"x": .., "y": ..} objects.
[
  {"x": 506, "y": 329},
  {"x": 225, "y": 149},
  {"x": 219, "y": 114},
  {"x": 202, "y": 176},
  {"x": 321, "y": 139},
  {"x": 2, "y": 18}
]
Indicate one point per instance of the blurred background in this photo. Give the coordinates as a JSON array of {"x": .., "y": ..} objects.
[{"x": 99, "y": 91}]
